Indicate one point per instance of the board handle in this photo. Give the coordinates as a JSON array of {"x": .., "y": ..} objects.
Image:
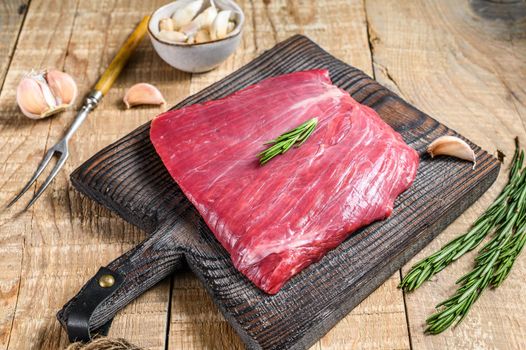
[{"x": 91, "y": 311}]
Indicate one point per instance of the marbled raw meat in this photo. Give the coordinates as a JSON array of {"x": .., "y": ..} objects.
[{"x": 276, "y": 219}]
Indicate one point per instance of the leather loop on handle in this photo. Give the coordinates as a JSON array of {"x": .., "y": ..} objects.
[
  {"x": 88, "y": 299},
  {"x": 114, "y": 69},
  {"x": 135, "y": 272}
]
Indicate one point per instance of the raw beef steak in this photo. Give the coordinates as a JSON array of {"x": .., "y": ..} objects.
[{"x": 276, "y": 219}]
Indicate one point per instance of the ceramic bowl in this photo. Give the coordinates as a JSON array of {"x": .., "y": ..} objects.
[{"x": 196, "y": 58}]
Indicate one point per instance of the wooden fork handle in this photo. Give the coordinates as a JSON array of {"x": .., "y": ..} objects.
[{"x": 119, "y": 61}]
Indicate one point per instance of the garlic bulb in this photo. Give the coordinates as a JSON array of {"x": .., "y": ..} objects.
[
  {"x": 219, "y": 28},
  {"x": 42, "y": 94},
  {"x": 452, "y": 146},
  {"x": 143, "y": 94},
  {"x": 184, "y": 15}
]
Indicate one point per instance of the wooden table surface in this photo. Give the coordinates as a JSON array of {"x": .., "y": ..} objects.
[{"x": 462, "y": 62}]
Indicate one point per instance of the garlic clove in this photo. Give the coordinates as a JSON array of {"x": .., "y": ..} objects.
[
  {"x": 220, "y": 26},
  {"x": 175, "y": 37},
  {"x": 230, "y": 27},
  {"x": 143, "y": 94},
  {"x": 62, "y": 86},
  {"x": 42, "y": 94},
  {"x": 50, "y": 99},
  {"x": 202, "y": 36},
  {"x": 166, "y": 24},
  {"x": 30, "y": 98},
  {"x": 190, "y": 29},
  {"x": 206, "y": 18},
  {"x": 452, "y": 146},
  {"x": 186, "y": 14}
]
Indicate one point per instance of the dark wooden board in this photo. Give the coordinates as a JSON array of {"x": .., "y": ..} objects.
[{"x": 129, "y": 178}]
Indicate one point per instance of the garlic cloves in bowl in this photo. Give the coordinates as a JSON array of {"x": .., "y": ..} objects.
[
  {"x": 42, "y": 94},
  {"x": 452, "y": 146},
  {"x": 143, "y": 94}
]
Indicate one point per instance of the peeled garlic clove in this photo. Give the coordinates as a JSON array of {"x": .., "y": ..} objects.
[
  {"x": 166, "y": 24},
  {"x": 220, "y": 26},
  {"x": 42, "y": 94},
  {"x": 206, "y": 18},
  {"x": 452, "y": 146},
  {"x": 143, "y": 94},
  {"x": 203, "y": 21},
  {"x": 184, "y": 15},
  {"x": 62, "y": 86},
  {"x": 202, "y": 36},
  {"x": 190, "y": 29},
  {"x": 231, "y": 26},
  {"x": 174, "y": 36}
]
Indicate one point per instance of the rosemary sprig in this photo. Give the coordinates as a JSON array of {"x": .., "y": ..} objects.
[
  {"x": 492, "y": 265},
  {"x": 506, "y": 217},
  {"x": 284, "y": 142},
  {"x": 513, "y": 248},
  {"x": 496, "y": 214}
]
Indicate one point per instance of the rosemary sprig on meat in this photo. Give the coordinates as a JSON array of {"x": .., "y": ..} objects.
[
  {"x": 496, "y": 214},
  {"x": 284, "y": 142}
]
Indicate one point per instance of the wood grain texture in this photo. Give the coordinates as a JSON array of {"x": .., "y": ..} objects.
[
  {"x": 462, "y": 62},
  {"x": 12, "y": 14},
  {"x": 129, "y": 178},
  {"x": 121, "y": 58},
  {"x": 21, "y": 311}
]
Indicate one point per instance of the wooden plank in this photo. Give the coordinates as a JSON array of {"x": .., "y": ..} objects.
[
  {"x": 268, "y": 22},
  {"x": 10, "y": 265},
  {"x": 49, "y": 24},
  {"x": 12, "y": 14},
  {"x": 65, "y": 238},
  {"x": 461, "y": 64},
  {"x": 195, "y": 322},
  {"x": 129, "y": 178}
]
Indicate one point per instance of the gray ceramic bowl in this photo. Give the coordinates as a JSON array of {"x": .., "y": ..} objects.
[{"x": 200, "y": 57}]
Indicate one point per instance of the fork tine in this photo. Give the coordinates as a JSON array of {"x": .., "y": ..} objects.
[
  {"x": 50, "y": 178},
  {"x": 36, "y": 174}
]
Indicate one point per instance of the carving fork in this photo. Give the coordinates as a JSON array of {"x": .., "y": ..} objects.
[{"x": 60, "y": 149}]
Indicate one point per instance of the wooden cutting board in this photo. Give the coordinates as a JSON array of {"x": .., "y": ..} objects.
[{"x": 129, "y": 178}]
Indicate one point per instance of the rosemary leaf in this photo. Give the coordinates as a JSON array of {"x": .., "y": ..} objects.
[{"x": 284, "y": 142}]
